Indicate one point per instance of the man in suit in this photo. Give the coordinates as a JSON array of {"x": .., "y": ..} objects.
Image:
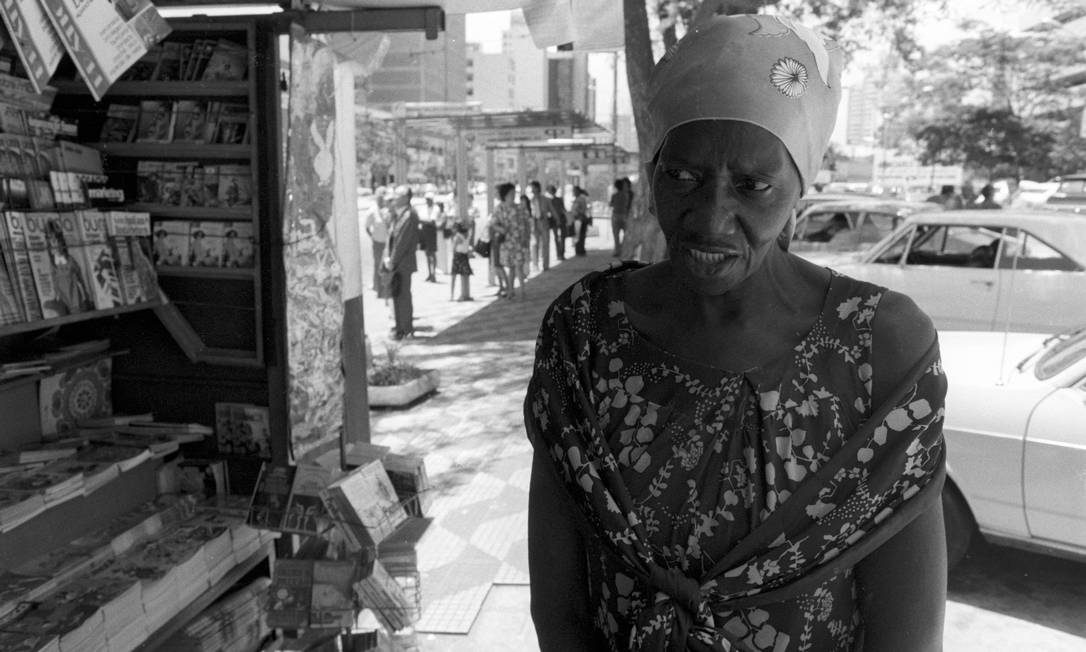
[
  {"x": 557, "y": 220},
  {"x": 403, "y": 242},
  {"x": 541, "y": 232}
]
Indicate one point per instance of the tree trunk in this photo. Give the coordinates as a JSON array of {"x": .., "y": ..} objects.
[{"x": 643, "y": 239}]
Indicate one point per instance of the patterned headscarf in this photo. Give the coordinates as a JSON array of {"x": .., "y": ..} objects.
[{"x": 765, "y": 70}]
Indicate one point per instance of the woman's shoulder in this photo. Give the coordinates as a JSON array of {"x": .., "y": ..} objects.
[{"x": 594, "y": 287}]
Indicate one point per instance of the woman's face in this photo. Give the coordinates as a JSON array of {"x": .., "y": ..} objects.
[{"x": 724, "y": 190}]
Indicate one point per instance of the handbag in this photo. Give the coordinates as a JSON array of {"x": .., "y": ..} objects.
[{"x": 482, "y": 248}]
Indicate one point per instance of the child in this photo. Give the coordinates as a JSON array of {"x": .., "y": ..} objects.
[{"x": 461, "y": 266}]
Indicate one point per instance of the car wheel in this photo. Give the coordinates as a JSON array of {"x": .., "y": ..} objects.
[{"x": 959, "y": 524}]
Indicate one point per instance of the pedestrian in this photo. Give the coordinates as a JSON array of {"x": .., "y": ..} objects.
[
  {"x": 558, "y": 216},
  {"x": 376, "y": 227},
  {"x": 947, "y": 198},
  {"x": 621, "y": 200},
  {"x": 428, "y": 225},
  {"x": 461, "y": 263},
  {"x": 513, "y": 226},
  {"x": 496, "y": 233},
  {"x": 540, "y": 211},
  {"x": 399, "y": 259},
  {"x": 987, "y": 198},
  {"x": 581, "y": 219},
  {"x": 736, "y": 448}
]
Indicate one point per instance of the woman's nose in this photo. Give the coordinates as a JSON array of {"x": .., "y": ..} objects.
[{"x": 719, "y": 213}]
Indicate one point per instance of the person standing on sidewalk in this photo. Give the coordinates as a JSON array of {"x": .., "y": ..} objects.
[
  {"x": 558, "y": 216},
  {"x": 429, "y": 223},
  {"x": 581, "y": 219},
  {"x": 621, "y": 199},
  {"x": 376, "y": 227},
  {"x": 736, "y": 448},
  {"x": 399, "y": 258},
  {"x": 541, "y": 232}
]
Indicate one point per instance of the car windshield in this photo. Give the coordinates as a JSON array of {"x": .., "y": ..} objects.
[{"x": 1060, "y": 352}]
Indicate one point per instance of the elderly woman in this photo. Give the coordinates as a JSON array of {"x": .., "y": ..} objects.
[{"x": 736, "y": 449}]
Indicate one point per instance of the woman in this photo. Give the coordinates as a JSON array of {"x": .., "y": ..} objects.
[
  {"x": 429, "y": 219},
  {"x": 496, "y": 230},
  {"x": 515, "y": 230},
  {"x": 736, "y": 449},
  {"x": 621, "y": 199},
  {"x": 579, "y": 210}
]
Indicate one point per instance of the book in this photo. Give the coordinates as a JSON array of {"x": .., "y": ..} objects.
[
  {"x": 73, "y": 157},
  {"x": 169, "y": 62},
  {"x": 205, "y": 244},
  {"x": 12, "y": 119},
  {"x": 209, "y": 180},
  {"x": 171, "y": 242},
  {"x": 192, "y": 185},
  {"x": 365, "y": 505},
  {"x": 290, "y": 594},
  {"x": 235, "y": 185},
  {"x": 155, "y": 123},
  {"x": 172, "y": 176},
  {"x": 206, "y": 478},
  {"x": 125, "y": 457},
  {"x": 189, "y": 126},
  {"x": 332, "y": 602},
  {"x": 11, "y": 303},
  {"x": 98, "y": 259},
  {"x": 120, "y": 123},
  {"x": 40, "y": 193},
  {"x": 305, "y": 512},
  {"x": 227, "y": 62},
  {"x": 76, "y": 393},
  {"x": 237, "y": 244},
  {"x": 268, "y": 507}
]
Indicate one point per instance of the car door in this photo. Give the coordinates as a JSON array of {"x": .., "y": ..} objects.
[
  {"x": 1043, "y": 291},
  {"x": 1054, "y": 471},
  {"x": 935, "y": 266}
]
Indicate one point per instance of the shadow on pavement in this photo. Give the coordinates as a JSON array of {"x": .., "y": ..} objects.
[{"x": 507, "y": 320}]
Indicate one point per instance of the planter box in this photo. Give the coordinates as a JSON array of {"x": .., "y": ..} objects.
[{"x": 400, "y": 395}]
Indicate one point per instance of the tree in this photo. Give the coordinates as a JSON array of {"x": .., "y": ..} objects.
[
  {"x": 838, "y": 18},
  {"x": 994, "y": 141}
]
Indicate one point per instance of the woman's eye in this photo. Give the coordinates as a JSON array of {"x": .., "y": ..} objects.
[
  {"x": 681, "y": 174},
  {"x": 753, "y": 185}
]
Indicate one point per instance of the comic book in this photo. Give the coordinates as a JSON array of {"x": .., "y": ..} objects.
[
  {"x": 306, "y": 513},
  {"x": 268, "y": 507},
  {"x": 205, "y": 244},
  {"x": 332, "y": 602},
  {"x": 235, "y": 185},
  {"x": 171, "y": 242},
  {"x": 237, "y": 244},
  {"x": 290, "y": 594}
]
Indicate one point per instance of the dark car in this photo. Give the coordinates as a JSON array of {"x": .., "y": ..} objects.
[{"x": 1070, "y": 195}]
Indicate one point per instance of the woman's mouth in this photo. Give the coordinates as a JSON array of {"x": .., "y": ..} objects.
[{"x": 709, "y": 257}]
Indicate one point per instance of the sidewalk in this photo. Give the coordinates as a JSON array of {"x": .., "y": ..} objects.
[{"x": 473, "y": 560}]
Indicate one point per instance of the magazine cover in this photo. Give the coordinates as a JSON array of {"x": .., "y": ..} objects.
[
  {"x": 188, "y": 126},
  {"x": 120, "y": 123},
  {"x": 171, "y": 178},
  {"x": 155, "y": 124},
  {"x": 105, "y": 37},
  {"x": 98, "y": 259},
  {"x": 237, "y": 244},
  {"x": 228, "y": 62},
  {"x": 35, "y": 40},
  {"x": 126, "y": 231},
  {"x": 71, "y": 277},
  {"x": 269, "y": 504},
  {"x": 205, "y": 244},
  {"x": 306, "y": 513},
  {"x": 210, "y": 181},
  {"x": 149, "y": 181},
  {"x": 332, "y": 600},
  {"x": 41, "y": 266},
  {"x": 290, "y": 593},
  {"x": 171, "y": 243},
  {"x": 192, "y": 185},
  {"x": 235, "y": 185},
  {"x": 28, "y": 293}
]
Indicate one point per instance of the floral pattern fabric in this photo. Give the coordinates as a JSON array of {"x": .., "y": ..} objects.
[
  {"x": 730, "y": 507},
  {"x": 514, "y": 225}
]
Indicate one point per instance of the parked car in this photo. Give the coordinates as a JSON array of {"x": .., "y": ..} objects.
[
  {"x": 833, "y": 231},
  {"x": 813, "y": 197},
  {"x": 1013, "y": 269},
  {"x": 1070, "y": 194},
  {"x": 1016, "y": 440}
]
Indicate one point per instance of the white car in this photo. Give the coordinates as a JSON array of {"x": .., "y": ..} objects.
[
  {"x": 1016, "y": 440},
  {"x": 836, "y": 231},
  {"x": 1012, "y": 269}
]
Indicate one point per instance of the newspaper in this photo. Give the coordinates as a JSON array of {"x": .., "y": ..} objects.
[
  {"x": 105, "y": 37},
  {"x": 35, "y": 40}
]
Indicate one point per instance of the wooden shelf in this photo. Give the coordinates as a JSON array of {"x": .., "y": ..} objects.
[
  {"x": 175, "y": 150},
  {"x": 239, "y": 89},
  {"x": 236, "y": 273},
  {"x": 198, "y": 213},
  {"x": 70, "y": 363},
  {"x": 41, "y": 324},
  {"x": 193, "y": 609}
]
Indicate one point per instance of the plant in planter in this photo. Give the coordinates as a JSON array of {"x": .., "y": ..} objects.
[{"x": 396, "y": 382}]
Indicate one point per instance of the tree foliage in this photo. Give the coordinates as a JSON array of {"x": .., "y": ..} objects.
[{"x": 994, "y": 141}]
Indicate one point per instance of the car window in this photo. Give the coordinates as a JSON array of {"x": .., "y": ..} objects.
[
  {"x": 1023, "y": 250},
  {"x": 893, "y": 253},
  {"x": 954, "y": 245},
  {"x": 876, "y": 226},
  {"x": 1072, "y": 186},
  {"x": 824, "y": 226},
  {"x": 1063, "y": 351}
]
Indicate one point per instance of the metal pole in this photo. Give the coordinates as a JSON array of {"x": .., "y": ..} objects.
[
  {"x": 490, "y": 278},
  {"x": 614, "y": 114}
]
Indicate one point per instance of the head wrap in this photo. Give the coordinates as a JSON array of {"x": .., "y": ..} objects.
[{"x": 765, "y": 70}]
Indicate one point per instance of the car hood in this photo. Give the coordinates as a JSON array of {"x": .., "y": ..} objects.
[{"x": 985, "y": 358}]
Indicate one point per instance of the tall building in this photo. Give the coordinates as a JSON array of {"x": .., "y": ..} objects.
[
  {"x": 490, "y": 79},
  {"x": 418, "y": 70},
  {"x": 864, "y": 114}
]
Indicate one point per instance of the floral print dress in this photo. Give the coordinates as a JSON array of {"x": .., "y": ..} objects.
[
  {"x": 512, "y": 223},
  {"x": 730, "y": 507}
]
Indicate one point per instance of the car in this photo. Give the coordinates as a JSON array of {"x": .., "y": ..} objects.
[
  {"x": 1070, "y": 194},
  {"x": 830, "y": 232},
  {"x": 813, "y": 197},
  {"x": 1012, "y": 269},
  {"x": 1015, "y": 431}
]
